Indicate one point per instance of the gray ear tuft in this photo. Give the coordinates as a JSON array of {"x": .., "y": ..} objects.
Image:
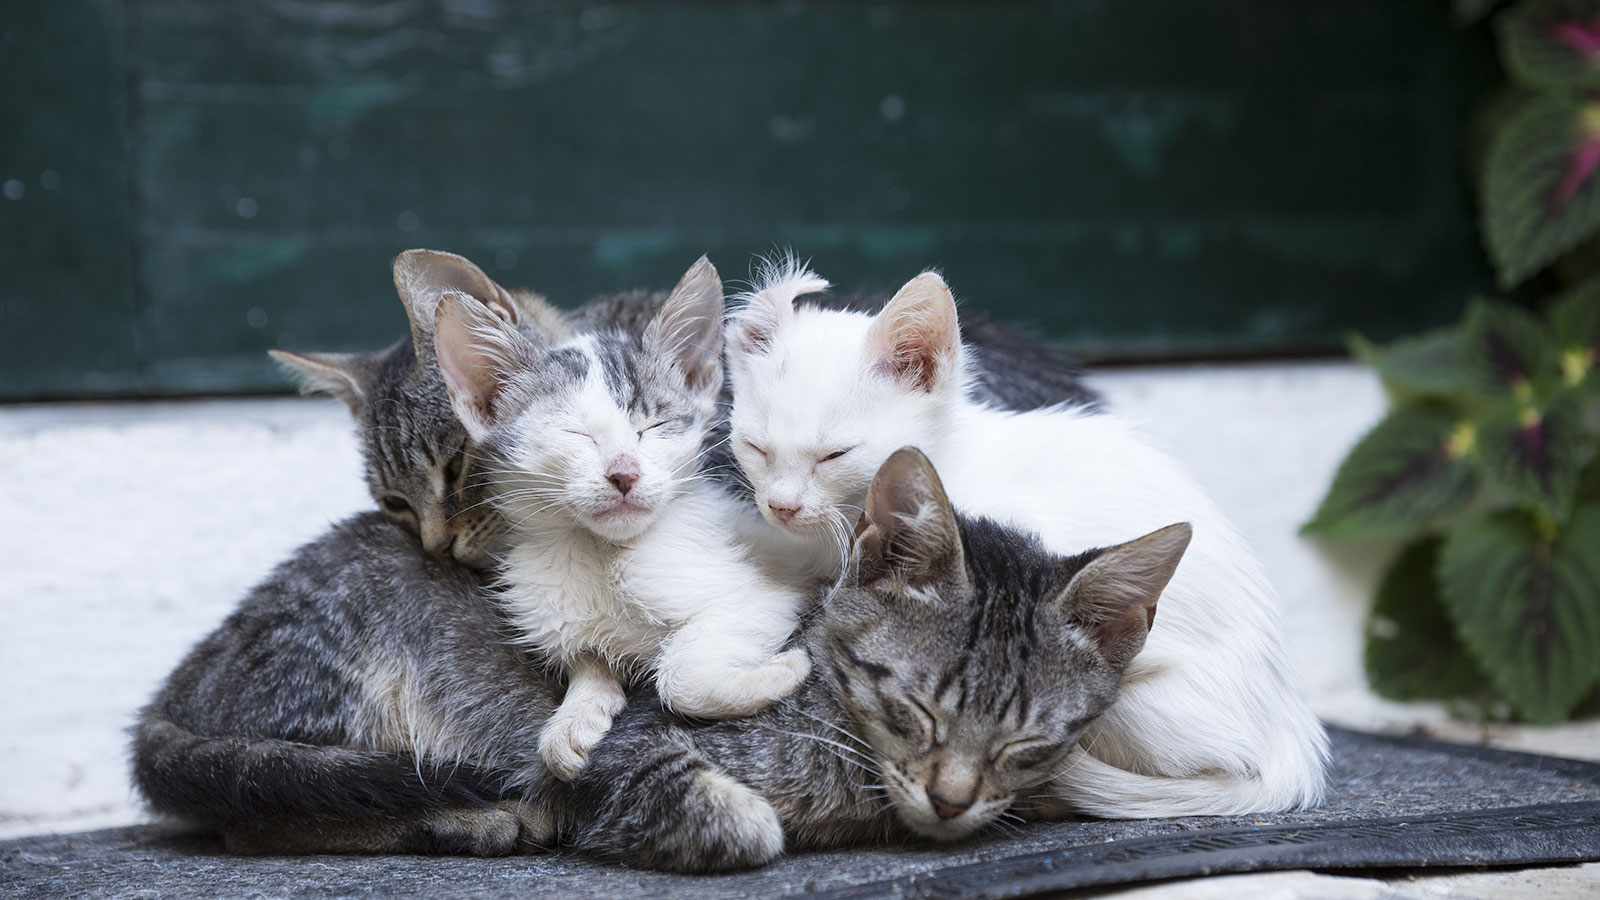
[
  {"x": 342, "y": 375},
  {"x": 423, "y": 277},
  {"x": 908, "y": 534},
  {"x": 1115, "y": 595},
  {"x": 689, "y": 327},
  {"x": 477, "y": 353}
]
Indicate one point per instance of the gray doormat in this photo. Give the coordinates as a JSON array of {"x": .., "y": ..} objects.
[{"x": 1393, "y": 803}]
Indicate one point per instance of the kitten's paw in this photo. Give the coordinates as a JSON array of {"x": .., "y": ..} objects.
[
  {"x": 741, "y": 826},
  {"x": 567, "y": 738},
  {"x": 474, "y": 832},
  {"x": 537, "y": 825},
  {"x": 737, "y": 692}
]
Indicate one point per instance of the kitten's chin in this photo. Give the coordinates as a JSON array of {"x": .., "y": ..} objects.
[{"x": 621, "y": 521}]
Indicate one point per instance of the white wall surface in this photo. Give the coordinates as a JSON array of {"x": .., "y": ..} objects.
[{"x": 127, "y": 531}]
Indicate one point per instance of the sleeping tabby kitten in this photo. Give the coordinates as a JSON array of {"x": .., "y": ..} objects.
[
  {"x": 955, "y": 671},
  {"x": 364, "y": 697},
  {"x": 413, "y": 449}
]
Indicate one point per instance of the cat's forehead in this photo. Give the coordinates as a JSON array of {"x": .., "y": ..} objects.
[{"x": 407, "y": 423}]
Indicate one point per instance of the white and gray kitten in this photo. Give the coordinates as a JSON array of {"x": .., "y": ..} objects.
[{"x": 621, "y": 562}]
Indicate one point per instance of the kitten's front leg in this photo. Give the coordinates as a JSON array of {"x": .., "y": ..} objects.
[
  {"x": 594, "y": 697},
  {"x": 717, "y": 670}
]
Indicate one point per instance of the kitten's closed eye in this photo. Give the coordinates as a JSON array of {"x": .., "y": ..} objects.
[
  {"x": 452, "y": 470},
  {"x": 759, "y": 449},
  {"x": 836, "y": 454},
  {"x": 651, "y": 427},
  {"x": 395, "y": 503},
  {"x": 1027, "y": 753},
  {"x": 910, "y": 720}
]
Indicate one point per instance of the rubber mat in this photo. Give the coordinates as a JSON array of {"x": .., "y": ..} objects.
[{"x": 1393, "y": 803}]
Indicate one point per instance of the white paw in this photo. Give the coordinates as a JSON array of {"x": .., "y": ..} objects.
[
  {"x": 740, "y": 692},
  {"x": 568, "y": 737},
  {"x": 746, "y": 823}
]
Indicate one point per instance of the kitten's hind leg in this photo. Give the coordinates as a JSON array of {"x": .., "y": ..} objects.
[
  {"x": 594, "y": 697},
  {"x": 470, "y": 831},
  {"x": 714, "y": 673}
]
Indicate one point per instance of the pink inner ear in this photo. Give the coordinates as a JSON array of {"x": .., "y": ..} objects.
[{"x": 915, "y": 362}]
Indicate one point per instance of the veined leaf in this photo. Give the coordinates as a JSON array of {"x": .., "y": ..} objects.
[
  {"x": 1528, "y": 607},
  {"x": 1575, "y": 318},
  {"x": 1407, "y": 471},
  {"x": 1506, "y": 349},
  {"x": 1412, "y": 650},
  {"x": 1428, "y": 365},
  {"x": 1534, "y": 454},
  {"x": 1540, "y": 197},
  {"x": 1551, "y": 43}
]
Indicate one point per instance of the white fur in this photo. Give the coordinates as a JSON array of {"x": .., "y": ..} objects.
[
  {"x": 666, "y": 590},
  {"x": 1210, "y": 720}
]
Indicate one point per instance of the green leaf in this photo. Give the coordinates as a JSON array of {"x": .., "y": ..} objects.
[
  {"x": 1575, "y": 318},
  {"x": 1428, "y": 365},
  {"x": 1506, "y": 349},
  {"x": 1528, "y": 607},
  {"x": 1540, "y": 196},
  {"x": 1412, "y": 649},
  {"x": 1534, "y": 454},
  {"x": 1403, "y": 474},
  {"x": 1551, "y": 43}
]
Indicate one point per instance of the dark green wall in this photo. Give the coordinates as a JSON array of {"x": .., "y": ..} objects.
[{"x": 1137, "y": 177}]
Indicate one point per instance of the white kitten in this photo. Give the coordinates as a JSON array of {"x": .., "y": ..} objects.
[
  {"x": 1210, "y": 721},
  {"x": 622, "y": 561}
]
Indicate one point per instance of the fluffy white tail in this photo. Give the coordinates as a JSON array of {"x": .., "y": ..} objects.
[{"x": 1096, "y": 787}]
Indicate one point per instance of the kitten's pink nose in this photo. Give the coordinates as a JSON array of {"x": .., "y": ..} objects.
[
  {"x": 948, "y": 809},
  {"x": 784, "y": 511},
  {"x": 623, "y": 476}
]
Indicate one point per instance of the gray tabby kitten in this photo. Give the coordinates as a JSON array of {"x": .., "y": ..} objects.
[
  {"x": 415, "y": 451},
  {"x": 363, "y": 698},
  {"x": 953, "y": 674},
  {"x": 413, "y": 448}
]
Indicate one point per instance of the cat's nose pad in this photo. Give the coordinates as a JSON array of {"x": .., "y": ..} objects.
[
  {"x": 784, "y": 512},
  {"x": 623, "y": 479},
  {"x": 947, "y": 809},
  {"x": 440, "y": 549}
]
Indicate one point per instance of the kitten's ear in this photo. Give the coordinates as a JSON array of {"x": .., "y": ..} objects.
[
  {"x": 770, "y": 306},
  {"x": 422, "y": 277},
  {"x": 477, "y": 353},
  {"x": 343, "y": 375},
  {"x": 1114, "y": 596},
  {"x": 916, "y": 338},
  {"x": 907, "y": 535},
  {"x": 688, "y": 327}
]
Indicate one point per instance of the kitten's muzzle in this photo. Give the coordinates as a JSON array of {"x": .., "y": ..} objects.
[
  {"x": 784, "y": 513},
  {"x": 623, "y": 478},
  {"x": 948, "y": 809}
]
